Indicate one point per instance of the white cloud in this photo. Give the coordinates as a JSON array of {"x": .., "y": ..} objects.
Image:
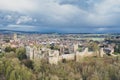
[
  {"x": 8, "y": 17},
  {"x": 24, "y": 19},
  {"x": 107, "y": 7},
  {"x": 18, "y": 5},
  {"x": 51, "y": 10},
  {"x": 51, "y": 13},
  {"x": 105, "y": 13},
  {"x": 20, "y": 27},
  {"x": 101, "y": 29}
]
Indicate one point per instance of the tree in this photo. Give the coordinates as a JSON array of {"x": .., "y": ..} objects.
[
  {"x": 117, "y": 49},
  {"x": 94, "y": 46},
  {"x": 37, "y": 65},
  {"x": 21, "y": 53},
  {"x": 28, "y": 63},
  {"x": 1, "y": 55},
  {"x": 1, "y": 67},
  {"x": 14, "y": 70},
  {"x": 9, "y": 49}
]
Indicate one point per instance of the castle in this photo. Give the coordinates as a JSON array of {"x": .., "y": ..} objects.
[{"x": 55, "y": 56}]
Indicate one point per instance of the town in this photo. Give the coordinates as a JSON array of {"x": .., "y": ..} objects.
[{"x": 57, "y": 48}]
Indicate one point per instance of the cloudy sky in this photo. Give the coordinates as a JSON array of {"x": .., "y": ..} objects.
[{"x": 68, "y": 16}]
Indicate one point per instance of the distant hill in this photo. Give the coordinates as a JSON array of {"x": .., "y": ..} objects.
[{"x": 5, "y": 31}]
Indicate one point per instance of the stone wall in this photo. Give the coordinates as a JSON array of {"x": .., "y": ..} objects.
[
  {"x": 67, "y": 57},
  {"x": 85, "y": 53},
  {"x": 54, "y": 56}
]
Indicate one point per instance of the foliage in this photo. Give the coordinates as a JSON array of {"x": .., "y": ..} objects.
[
  {"x": 88, "y": 69},
  {"x": 14, "y": 68},
  {"x": 117, "y": 49},
  {"x": 53, "y": 47},
  {"x": 28, "y": 63},
  {"x": 21, "y": 53},
  {"x": 1, "y": 55},
  {"x": 93, "y": 46},
  {"x": 37, "y": 65},
  {"x": 10, "y": 55},
  {"x": 9, "y": 49},
  {"x": 79, "y": 49}
]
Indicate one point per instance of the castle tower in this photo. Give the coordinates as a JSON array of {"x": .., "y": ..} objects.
[
  {"x": 53, "y": 56},
  {"x": 30, "y": 52},
  {"x": 15, "y": 36},
  {"x": 102, "y": 52},
  {"x": 75, "y": 47},
  {"x": 61, "y": 49}
]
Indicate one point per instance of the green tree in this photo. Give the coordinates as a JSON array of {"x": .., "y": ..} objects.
[
  {"x": 21, "y": 53},
  {"x": 94, "y": 46},
  {"x": 9, "y": 49},
  {"x": 37, "y": 65}
]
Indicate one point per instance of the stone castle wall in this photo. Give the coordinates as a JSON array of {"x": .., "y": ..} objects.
[{"x": 54, "y": 55}]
